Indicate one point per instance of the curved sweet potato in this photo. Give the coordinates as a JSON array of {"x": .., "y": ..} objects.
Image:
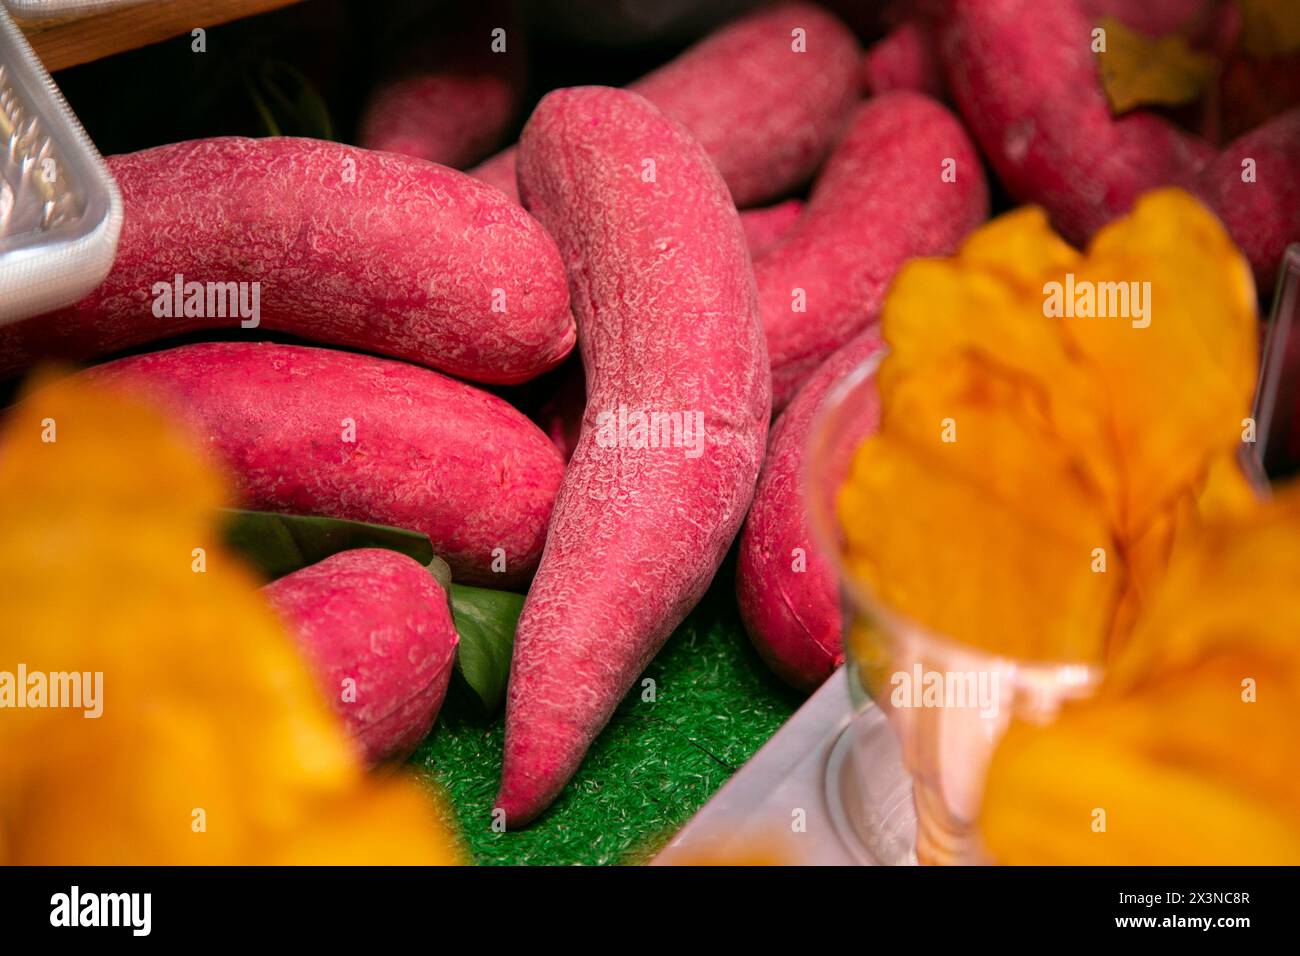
[
  {"x": 670, "y": 339},
  {"x": 340, "y": 245},
  {"x": 1025, "y": 80},
  {"x": 765, "y": 112},
  {"x": 318, "y": 432},
  {"x": 787, "y": 589},
  {"x": 881, "y": 199}
]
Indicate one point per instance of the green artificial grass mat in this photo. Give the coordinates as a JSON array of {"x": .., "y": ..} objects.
[{"x": 655, "y": 764}]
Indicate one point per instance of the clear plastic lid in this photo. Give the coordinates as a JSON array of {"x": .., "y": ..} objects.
[
  {"x": 60, "y": 211},
  {"x": 50, "y": 9}
]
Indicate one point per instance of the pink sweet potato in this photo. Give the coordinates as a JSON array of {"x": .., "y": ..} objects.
[
  {"x": 1155, "y": 18},
  {"x": 377, "y": 632},
  {"x": 499, "y": 172},
  {"x": 346, "y": 246},
  {"x": 786, "y": 587},
  {"x": 764, "y": 112},
  {"x": 906, "y": 59},
  {"x": 766, "y": 227},
  {"x": 668, "y": 326},
  {"x": 632, "y": 23},
  {"x": 451, "y": 96},
  {"x": 881, "y": 199},
  {"x": 1253, "y": 92},
  {"x": 1263, "y": 214},
  {"x": 560, "y": 415},
  {"x": 318, "y": 432},
  {"x": 1025, "y": 80}
]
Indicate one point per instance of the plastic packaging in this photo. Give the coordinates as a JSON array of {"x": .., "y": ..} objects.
[
  {"x": 60, "y": 212},
  {"x": 1277, "y": 400},
  {"x": 25, "y": 10}
]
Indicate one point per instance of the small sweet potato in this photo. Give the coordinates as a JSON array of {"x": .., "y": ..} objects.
[
  {"x": 904, "y": 181},
  {"x": 1254, "y": 187},
  {"x": 766, "y": 95},
  {"x": 1025, "y": 80},
  {"x": 454, "y": 89},
  {"x": 377, "y": 631}
]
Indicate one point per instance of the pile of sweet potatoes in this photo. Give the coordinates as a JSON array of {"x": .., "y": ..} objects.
[{"x": 715, "y": 238}]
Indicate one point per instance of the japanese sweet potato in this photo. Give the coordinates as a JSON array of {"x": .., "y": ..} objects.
[
  {"x": 376, "y": 630},
  {"x": 766, "y": 95},
  {"x": 331, "y": 243},
  {"x": 785, "y": 584},
  {"x": 677, "y": 410},
  {"x": 319, "y": 432},
  {"x": 1025, "y": 80},
  {"x": 904, "y": 181}
]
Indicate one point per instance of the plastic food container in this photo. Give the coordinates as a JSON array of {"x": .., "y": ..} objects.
[
  {"x": 945, "y": 746},
  {"x": 1277, "y": 401},
  {"x": 60, "y": 212},
  {"x": 53, "y": 9}
]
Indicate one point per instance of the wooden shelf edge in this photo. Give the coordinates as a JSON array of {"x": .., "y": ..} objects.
[{"x": 69, "y": 42}]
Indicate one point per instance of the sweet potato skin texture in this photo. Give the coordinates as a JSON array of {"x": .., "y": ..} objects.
[
  {"x": 1026, "y": 82},
  {"x": 767, "y": 226},
  {"x": 793, "y": 616},
  {"x": 499, "y": 172},
  {"x": 1153, "y": 17},
  {"x": 879, "y": 201},
  {"x": 377, "y": 618},
  {"x": 1261, "y": 216},
  {"x": 447, "y": 119},
  {"x": 451, "y": 97},
  {"x": 351, "y": 247},
  {"x": 766, "y": 115},
  {"x": 668, "y": 321},
  {"x": 429, "y": 453},
  {"x": 560, "y": 416},
  {"x": 905, "y": 59}
]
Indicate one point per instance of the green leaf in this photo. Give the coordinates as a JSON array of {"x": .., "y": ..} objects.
[
  {"x": 441, "y": 572},
  {"x": 277, "y": 544},
  {"x": 287, "y": 103},
  {"x": 485, "y": 621}
]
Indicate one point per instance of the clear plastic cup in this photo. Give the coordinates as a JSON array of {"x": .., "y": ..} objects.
[
  {"x": 1277, "y": 411},
  {"x": 945, "y": 739}
]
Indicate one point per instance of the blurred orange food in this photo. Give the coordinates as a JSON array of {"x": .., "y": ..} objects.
[
  {"x": 212, "y": 744},
  {"x": 1188, "y": 754},
  {"x": 1052, "y": 421}
]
